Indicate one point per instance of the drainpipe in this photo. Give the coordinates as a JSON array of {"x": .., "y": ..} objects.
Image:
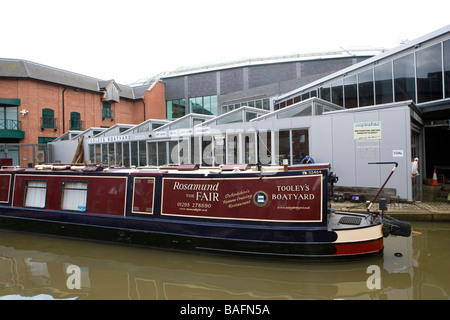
[
  {"x": 144, "y": 107},
  {"x": 63, "y": 118}
]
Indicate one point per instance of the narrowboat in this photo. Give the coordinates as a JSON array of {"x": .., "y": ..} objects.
[{"x": 274, "y": 212}]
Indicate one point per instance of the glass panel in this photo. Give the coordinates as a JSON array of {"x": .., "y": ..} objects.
[
  {"x": 143, "y": 128},
  {"x": 207, "y": 151},
  {"x": 126, "y": 154},
  {"x": 162, "y": 153},
  {"x": 195, "y": 150},
  {"x": 175, "y": 109},
  {"x": 11, "y": 113},
  {"x": 35, "y": 194},
  {"x": 299, "y": 111},
  {"x": 404, "y": 84},
  {"x": 173, "y": 152},
  {"x": 183, "y": 150},
  {"x": 152, "y": 154},
  {"x": 325, "y": 93},
  {"x": 104, "y": 155},
  {"x": 350, "y": 92},
  {"x": 206, "y": 105},
  {"x": 231, "y": 118},
  {"x": 214, "y": 106},
  {"x": 92, "y": 153},
  {"x": 250, "y": 115},
  {"x": 98, "y": 154},
  {"x": 365, "y": 86},
  {"x": 118, "y": 155},
  {"x": 264, "y": 146},
  {"x": 337, "y": 93},
  {"x": 219, "y": 149},
  {"x": 156, "y": 125},
  {"x": 142, "y": 154},
  {"x": 2, "y": 118},
  {"x": 300, "y": 146},
  {"x": 181, "y": 124},
  {"x": 169, "y": 109},
  {"x": 196, "y": 105},
  {"x": 232, "y": 142},
  {"x": 197, "y": 121},
  {"x": 447, "y": 68},
  {"x": 74, "y": 196},
  {"x": 224, "y": 109},
  {"x": 134, "y": 154},
  {"x": 383, "y": 83},
  {"x": 429, "y": 74},
  {"x": 283, "y": 147},
  {"x": 266, "y": 104},
  {"x": 112, "y": 162}
]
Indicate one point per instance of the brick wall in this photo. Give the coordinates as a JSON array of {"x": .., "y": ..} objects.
[{"x": 37, "y": 95}]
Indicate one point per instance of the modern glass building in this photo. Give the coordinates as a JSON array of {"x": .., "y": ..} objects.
[
  {"x": 417, "y": 71},
  {"x": 219, "y": 88}
]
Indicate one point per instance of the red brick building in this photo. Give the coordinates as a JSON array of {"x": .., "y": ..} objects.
[{"x": 39, "y": 103}]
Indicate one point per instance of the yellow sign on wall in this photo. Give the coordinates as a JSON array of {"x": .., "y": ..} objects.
[{"x": 370, "y": 130}]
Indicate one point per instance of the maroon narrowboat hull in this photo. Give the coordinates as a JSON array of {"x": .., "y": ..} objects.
[{"x": 264, "y": 214}]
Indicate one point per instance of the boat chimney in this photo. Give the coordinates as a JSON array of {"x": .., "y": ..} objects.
[{"x": 285, "y": 164}]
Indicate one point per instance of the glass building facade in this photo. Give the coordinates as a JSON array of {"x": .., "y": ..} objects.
[
  {"x": 201, "y": 105},
  {"x": 421, "y": 76}
]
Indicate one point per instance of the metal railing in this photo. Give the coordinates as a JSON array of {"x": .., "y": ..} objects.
[
  {"x": 7, "y": 124},
  {"x": 49, "y": 123}
]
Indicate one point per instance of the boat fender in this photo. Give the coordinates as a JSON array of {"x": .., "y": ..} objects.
[
  {"x": 385, "y": 229},
  {"x": 398, "y": 228},
  {"x": 77, "y": 168}
]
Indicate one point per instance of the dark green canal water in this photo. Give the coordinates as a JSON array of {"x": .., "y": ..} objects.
[{"x": 39, "y": 267}]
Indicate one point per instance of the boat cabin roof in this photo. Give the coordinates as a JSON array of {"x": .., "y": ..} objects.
[{"x": 180, "y": 169}]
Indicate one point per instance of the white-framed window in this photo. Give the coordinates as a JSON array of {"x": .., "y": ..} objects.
[
  {"x": 74, "y": 195},
  {"x": 35, "y": 193}
]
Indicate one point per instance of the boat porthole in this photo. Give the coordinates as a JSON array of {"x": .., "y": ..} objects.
[
  {"x": 398, "y": 254},
  {"x": 260, "y": 198}
]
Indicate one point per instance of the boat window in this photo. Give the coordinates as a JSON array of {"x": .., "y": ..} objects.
[
  {"x": 35, "y": 193},
  {"x": 74, "y": 195}
]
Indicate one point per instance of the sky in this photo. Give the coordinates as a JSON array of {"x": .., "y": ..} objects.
[{"x": 136, "y": 39}]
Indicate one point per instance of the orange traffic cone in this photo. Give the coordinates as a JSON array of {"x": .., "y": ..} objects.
[{"x": 435, "y": 180}]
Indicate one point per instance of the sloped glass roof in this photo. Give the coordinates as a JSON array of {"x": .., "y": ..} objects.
[
  {"x": 188, "y": 121},
  {"x": 242, "y": 114},
  {"x": 310, "y": 107},
  {"x": 147, "y": 126},
  {"x": 115, "y": 130}
]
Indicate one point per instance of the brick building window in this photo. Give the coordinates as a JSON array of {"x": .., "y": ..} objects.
[
  {"x": 75, "y": 121},
  {"x": 107, "y": 112},
  {"x": 48, "y": 119}
]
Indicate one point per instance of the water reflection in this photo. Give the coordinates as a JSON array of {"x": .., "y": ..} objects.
[{"x": 51, "y": 268}]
